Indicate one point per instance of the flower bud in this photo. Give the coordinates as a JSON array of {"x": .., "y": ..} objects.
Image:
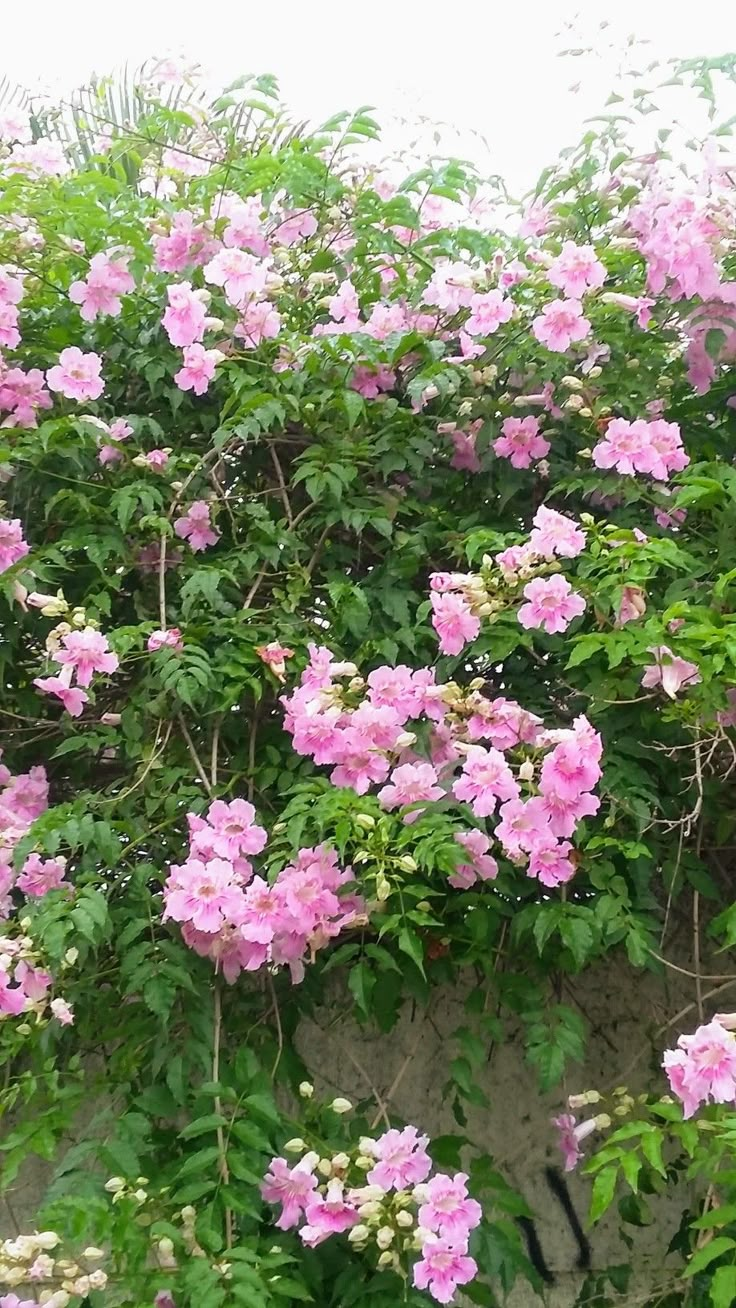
[
  {"x": 404, "y": 1218},
  {"x": 295, "y": 1146},
  {"x": 386, "y": 1259},
  {"x": 365, "y": 821},
  {"x": 526, "y": 771},
  {"x": 572, "y": 383},
  {"x": 419, "y": 1193},
  {"x": 358, "y": 1235},
  {"x": 46, "y": 1239},
  {"x": 97, "y": 1279},
  {"x": 364, "y": 1163},
  {"x": 602, "y": 1121},
  {"x": 384, "y": 1237},
  {"x": 404, "y": 740},
  {"x": 383, "y": 887},
  {"x": 407, "y": 863},
  {"x": 310, "y": 1160},
  {"x": 140, "y": 1195},
  {"x": 340, "y": 1162},
  {"x": 306, "y": 1089},
  {"x": 115, "y": 1184},
  {"x": 92, "y": 1253},
  {"x": 324, "y": 1167},
  {"x": 574, "y": 403},
  {"x": 71, "y": 956},
  {"x": 111, "y": 719}
]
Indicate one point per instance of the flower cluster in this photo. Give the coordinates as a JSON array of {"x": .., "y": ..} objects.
[
  {"x": 384, "y": 1196},
  {"x": 99, "y": 293},
  {"x": 236, "y": 918},
  {"x": 34, "y": 1260},
  {"x": 13, "y": 547},
  {"x": 653, "y": 447},
  {"x": 80, "y": 650},
  {"x": 360, "y": 729}
]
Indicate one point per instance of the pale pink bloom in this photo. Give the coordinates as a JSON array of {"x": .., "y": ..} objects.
[
  {"x": 623, "y": 446},
  {"x": 464, "y": 456},
  {"x": 71, "y": 697},
  {"x": 485, "y": 780},
  {"x": 13, "y": 1000},
  {"x": 328, "y": 1214},
  {"x": 442, "y": 1268},
  {"x": 15, "y": 125},
  {"x": 62, "y": 1011},
  {"x": 372, "y": 382},
  {"x": 87, "y": 652},
  {"x": 44, "y": 156},
  {"x": 632, "y": 605},
  {"x": 482, "y": 866},
  {"x": 157, "y": 459},
  {"x": 295, "y": 227},
  {"x": 487, "y": 312},
  {"x": 275, "y": 655},
  {"x": 447, "y": 1208},
  {"x": 569, "y": 770},
  {"x": 410, "y": 783},
  {"x": 76, "y": 375},
  {"x": 291, "y": 1187},
  {"x": 727, "y": 717},
  {"x": 229, "y": 831},
  {"x": 393, "y": 687},
  {"x": 33, "y": 981},
  {"x": 450, "y": 287},
  {"x": 198, "y": 369},
  {"x": 12, "y": 545},
  {"x": 209, "y": 895},
  {"x": 453, "y": 621},
  {"x": 344, "y": 305},
  {"x": 551, "y": 864},
  {"x": 359, "y": 763},
  {"x": 24, "y": 393},
  {"x": 576, "y": 270},
  {"x": 535, "y": 219},
  {"x": 100, "y": 292},
  {"x": 120, "y": 430},
  {"x": 245, "y": 229},
  {"x": 514, "y": 558},
  {"x": 571, "y": 1134},
  {"x": 109, "y": 454},
  {"x": 524, "y": 824},
  {"x": 40, "y": 875},
  {"x": 703, "y": 1067},
  {"x": 663, "y": 452},
  {"x": 385, "y": 319},
  {"x": 239, "y": 274},
  {"x": 402, "y": 1159},
  {"x": 169, "y": 639},
  {"x": 521, "y": 442},
  {"x": 555, "y": 534},
  {"x": 560, "y": 323},
  {"x": 551, "y": 604},
  {"x": 184, "y": 319},
  {"x": 9, "y": 334},
  {"x": 188, "y": 243},
  {"x": 640, "y": 305},
  {"x": 669, "y": 671},
  {"x": 196, "y": 528},
  {"x": 260, "y": 322}
]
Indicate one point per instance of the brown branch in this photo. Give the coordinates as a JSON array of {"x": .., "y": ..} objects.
[
  {"x": 282, "y": 485},
  {"x": 162, "y": 582},
  {"x": 195, "y": 756}
]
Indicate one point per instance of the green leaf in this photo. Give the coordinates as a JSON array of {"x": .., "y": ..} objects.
[
  {"x": 604, "y": 1188},
  {"x": 201, "y": 1125},
  {"x": 723, "y": 1287},
  {"x": 708, "y": 1254}
]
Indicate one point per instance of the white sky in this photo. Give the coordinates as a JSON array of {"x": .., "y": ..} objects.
[{"x": 488, "y": 66}]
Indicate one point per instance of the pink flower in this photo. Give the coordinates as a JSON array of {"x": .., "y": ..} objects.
[
  {"x": 521, "y": 442},
  {"x": 274, "y": 655},
  {"x": 703, "y": 1067},
  {"x": 410, "y": 783},
  {"x": 442, "y": 1267},
  {"x": 560, "y": 323},
  {"x": 15, "y": 125},
  {"x": 12, "y": 545},
  {"x": 570, "y": 1136},
  {"x": 448, "y": 1210},
  {"x": 195, "y": 526},
  {"x": 87, "y": 652},
  {"x": 62, "y": 1011},
  {"x": 100, "y": 293},
  {"x": 487, "y": 312},
  {"x": 12, "y": 998},
  {"x": 40, "y": 875},
  {"x": 385, "y": 319},
  {"x": 71, "y": 697},
  {"x": 370, "y": 382},
  {"x": 9, "y": 334},
  {"x": 198, "y": 369},
  {"x": 663, "y": 453},
  {"x": 486, "y": 778},
  {"x": 23, "y": 393},
  {"x": 328, "y": 1215},
  {"x": 551, "y": 864},
  {"x": 184, "y": 320},
  {"x": 157, "y": 459},
  {"x": 291, "y": 1187},
  {"x": 623, "y": 446},
  {"x": 206, "y": 894},
  {"x": 402, "y": 1159},
  {"x": 344, "y": 305},
  {"x": 229, "y": 831},
  {"x": 669, "y": 671},
  {"x": 482, "y": 866},
  {"x": 33, "y": 981},
  {"x": 187, "y": 243},
  {"x": 576, "y": 270},
  {"x": 555, "y": 534},
  {"x": 76, "y": 375},
  {"x": 260, "y": 322},
  {"x": 453, "y": 621},
  {"x": 240, "y": 275},
  {"x": 552, "y": 604},
  {"x": 169, "y": 639},
  {"x": 569, "y": 769},
  {"x": 631, "y": 606},
  {"x": 524, "y": 825},
  {"x": 450, "y": 287},
  {"x": 359, "y": 762}
]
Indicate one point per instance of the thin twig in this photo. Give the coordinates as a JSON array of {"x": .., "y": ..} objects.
[
  {"x": 222, "y": 1151},
  {"x": 397, "y": 1079},
  {"x": 162, "y": 582},
  {"x": 684, "y": 971},
  {"x": 254, "y": 588},
  {"x": 279, "y": 1030},
  {"x": 214, "y": 753},
  {"x": 282, "y": 485},
  {"x": 195, "y": 756},
  {"x": 382, "y": 1109},
  {"x": 252, "y": 755}
]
